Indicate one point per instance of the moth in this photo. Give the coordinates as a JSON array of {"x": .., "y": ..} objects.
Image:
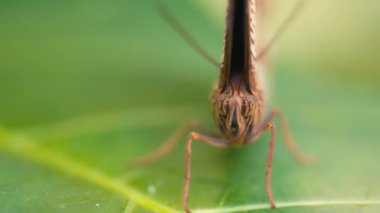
[{"x": 239, "y": 98}]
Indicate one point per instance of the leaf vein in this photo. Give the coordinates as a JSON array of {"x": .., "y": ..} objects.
[{"x": 25, "y": 147}]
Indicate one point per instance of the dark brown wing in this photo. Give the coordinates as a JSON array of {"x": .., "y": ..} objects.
[{"x": 238, "y": 59}]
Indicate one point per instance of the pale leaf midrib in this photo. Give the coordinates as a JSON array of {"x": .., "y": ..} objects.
[{"x": 25, "y": 147}]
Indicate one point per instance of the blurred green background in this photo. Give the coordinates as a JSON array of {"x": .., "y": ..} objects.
[{"x": 87, "y": 85}]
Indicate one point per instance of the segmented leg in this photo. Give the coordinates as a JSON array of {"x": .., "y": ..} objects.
[
  {"x": 268, "y": 125},
  {"x": 288, "y": 141},
  {"x": 297, "y": 154},
  {"x": 268, "y": 166},
  {"x": 167, "y": 146},
  {"x": 203, "y": 138}
]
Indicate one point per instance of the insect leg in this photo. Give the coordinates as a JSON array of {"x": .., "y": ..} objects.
[
  {"x": 203, "y": 138},
  {"x": 167, "y": 146},
  {"x": 297, "y": 154},
  {"x": 268, "y": 165},
  {"x": 288, "y": 140}
]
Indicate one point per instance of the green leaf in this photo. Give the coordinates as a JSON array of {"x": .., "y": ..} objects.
[{"x": 86, "y": 86}]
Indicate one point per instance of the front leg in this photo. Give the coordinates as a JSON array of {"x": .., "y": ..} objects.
[
  {"x": 297, "y": 154},
  {"x": 268, "y": 165},
  {"x": 203, "y": 138}
]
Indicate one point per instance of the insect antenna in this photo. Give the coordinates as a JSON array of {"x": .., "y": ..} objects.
[
  {"x": 175, "y": 24},
  {"x": 283, "y": 27}
]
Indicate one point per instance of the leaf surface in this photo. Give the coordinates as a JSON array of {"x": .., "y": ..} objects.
[{"x": 87, "y": 86}]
